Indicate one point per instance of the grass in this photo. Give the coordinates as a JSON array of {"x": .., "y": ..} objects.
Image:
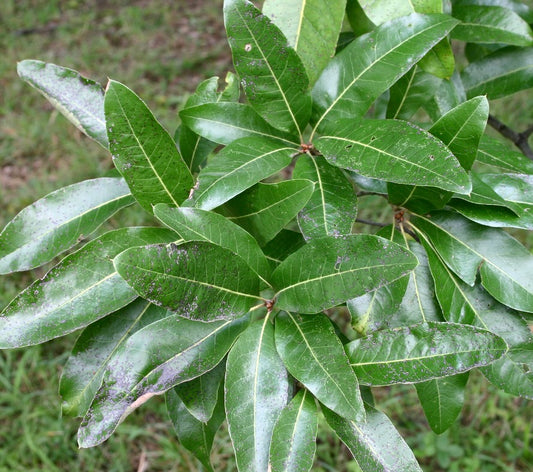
[{"x": 162, "y": 49}]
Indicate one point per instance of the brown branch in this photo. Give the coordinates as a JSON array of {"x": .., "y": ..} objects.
[
  {"x": 372, "y": 223},
  {"x": 520, "y": 140}
]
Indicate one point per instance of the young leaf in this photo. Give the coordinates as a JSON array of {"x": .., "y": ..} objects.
[
  {"x": 332, "y": 208},
  {"x": 194, "y": 435},
  {"x": 198, "y": 280},
  {"x": 395, "y": 151},
  {"x": 193, "y": 224},
  {"x": 272, "y": 75},
  {"x": 422, "y": 352},
  {"x": 367, "y": 67},
  {"x": 81, "y": 289},
  {"x": 82, "y": 375},
  {"x": 497, "y": 154},
  {"x": 81, "y": 100},
  {"x": 152, "y": 361},
  {"x": 143, "y": 152},
  {"x": 497, "y": 75},
  {"x": 56, "y": 222},
  {"x": 256, "y": 390},
  {"x": 237, "y": 167},
  {"x": 313, "y": 354},
  {"x": 490, "y": 24},
  {"x": 294, "y": 437},
  {"x": 375, "y": 443},
  {"x": 311, "y": 28},
  {"x": 329, "y": 271},
  {"x": 265, "y": 209}
]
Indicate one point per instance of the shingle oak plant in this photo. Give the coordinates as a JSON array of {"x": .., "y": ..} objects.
[{"x": 251, "y": 299}]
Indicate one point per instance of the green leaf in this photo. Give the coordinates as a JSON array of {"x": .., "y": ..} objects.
[
  {"x": 198, "y": 280},
  {"x": 152, "y": 361},
  {"x": 442, "y": 400},
  {"x": 194, "y": 435},
  {"x": 82, "y": 375},
  {"x": 375, "y": 444},
  {"x": 497, "y": 154},
  {"x": 143, "y": 152},
  {"x": 490, "y": 24},
  {"x": 56, "y": 222},
  {"x": 200, "y": 395},
  {"x": 272, "y": 75},
  {"x": 283, "y": 245},
  {"x": 224, "y": 123},
  {"x": 357, "y": 18},
  {"x": 520, "y": 8},
  {"x": 332, "y": 209},
  {"x": 422, "y": 352},
  {"x": 193, "y": 224},
  {"x": 81, "y": 100},
  {"x": 265, "y": 209},
  {"x": 499, "y": 74},
  {"x": 395, "y": 151},
  {"x": 329, "y": 271},
  {"x": 314, "y": 355},
  {"x": 237, "y": 167},
  {"x": 447, "y": 95},
  {"x": 367, "y": 67},
  {"x": 81, "y": 289},
  {"x": 256, "y": 392},
  {"x": 311, "y": 28},
  {"x": 505, "y": 265},
  {"x": 439, "y": 61},
  {"x": 294, "y": 438}
]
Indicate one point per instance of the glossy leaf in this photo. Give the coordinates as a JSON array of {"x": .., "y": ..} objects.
[
  {"x": 367, "y": 67},
  {"x": 497, "y": 154},
  {"x": 194, "y": 435},
  {"x": 294, "y": 437},
  {"x": 314, "y": 355},
  {"x": 272, "y": 75},
  {"x": 236, "y": 168},
  {"x": 81, "y": 289},
  {"x": 265, "y": 209},
  {"x": 143, "y": 152},
  {"x": 311, "y": 28},
  {"x": 375, "y": 444},
  {"x": 82, "y": 375},
  {"x": 198, "y": 280},
  {"x": 491, "y": 24},
  {"x": 442, "y": 400},
  {"x": 58, "y": 221},
  {"x": 257, "y": 390},
  {"x": 152, "y": 361},
  {"x": 395, "y": 151},
  {"x": 422, "y": 352},
  {"x": 342, "y": 268},
  {"x": 505, "y": 265},
  {"x": 439, "y": 61},
  {"x": 223, "y": 123},
  {"x": 193, "y": 224},
  {"x": 332, "y": 208},
  {"x": 497, "y": 75},
  {"x": 81, "y": 100},
  {"x": 357, "y": 18},
  {"x": 521, "y": 8}
]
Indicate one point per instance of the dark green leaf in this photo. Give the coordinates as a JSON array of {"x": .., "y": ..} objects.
[
  {"x": 265, "y": 209},
  {"x": 447, "y": 95},
  {"x": 81, "y": 100},
  {"x": 143, "y": 152},
  {"x": 422, "y": 352},
  {"x": 313, "y": 354},
  {"x": 495, "y": 153},
  {"x": 82, "y": 375},
  {"x": 58, "y": 221},
  {"x": 375, "y": 444},
  {"x": 152, "y": 361},
  {"x": 272, "y": 75},
  {"x": 198, "y": 280},
  {"x": 236, "y": 168},
  {"x": 257, "y": 389},
  {"x": 329, "y": 271},
  {"x": 81, "y": 289},
  {"x": 357, "y": 18},
  {"x": 332, "y": 208},
  {"x": 284, "y": 244},
  {"x": 294, "y": 438}
]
